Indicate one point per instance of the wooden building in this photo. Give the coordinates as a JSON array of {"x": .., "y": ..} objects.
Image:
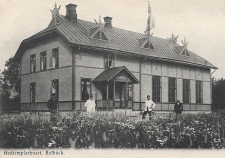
[{"x": 73, "y": 58}]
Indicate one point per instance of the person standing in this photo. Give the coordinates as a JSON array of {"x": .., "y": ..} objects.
[
  {"x": 52, "y": 106},
  {"x": 178, "y": 108},
  {"x": 90, "y": 104},
  {"x": 149, "y": 106}
]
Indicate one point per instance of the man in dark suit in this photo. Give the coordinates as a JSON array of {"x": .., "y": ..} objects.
[
  {"x": 52, "y": 106},
  {"x": 178, "y": 108}
]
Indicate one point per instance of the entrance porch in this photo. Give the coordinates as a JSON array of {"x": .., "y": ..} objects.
[{"x": 116, "y": 87}]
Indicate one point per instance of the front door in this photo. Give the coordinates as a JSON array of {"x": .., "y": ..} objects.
[{"x": 123, "y": 94}]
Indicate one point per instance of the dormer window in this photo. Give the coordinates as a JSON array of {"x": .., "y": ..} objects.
[
  {"x": 184, "y": 51},
  {"x": 148, "y": 45},
  {"x": 99, "y": 34}
]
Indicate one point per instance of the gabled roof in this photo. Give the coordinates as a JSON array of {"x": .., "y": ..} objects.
[
  {"x": 110, "y": 73},
  {"x": 120, "y": 40}
]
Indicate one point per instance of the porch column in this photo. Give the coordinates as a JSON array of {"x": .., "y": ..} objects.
[
  {"x": 114, "y": 93},
  {"x": 107, "y": 94},
  {"x": 126, "y": 98}
]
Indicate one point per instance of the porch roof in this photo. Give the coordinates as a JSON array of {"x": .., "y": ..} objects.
[{"x": 110, "y": 73}]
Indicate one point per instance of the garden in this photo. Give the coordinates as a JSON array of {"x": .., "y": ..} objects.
[{"x": 112, "y": 130}]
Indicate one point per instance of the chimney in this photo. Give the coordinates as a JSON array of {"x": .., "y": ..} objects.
[
  {"x": 108, "y": 22},
  {"x": 71, "y": 14}
]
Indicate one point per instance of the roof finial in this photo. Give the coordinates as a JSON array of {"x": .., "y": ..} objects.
[
  {"x": 55, "y": 13},
  {"x": 184, "y": 42}
]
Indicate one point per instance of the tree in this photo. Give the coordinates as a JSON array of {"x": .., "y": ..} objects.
[
  {"x": 10, "y": 88},
  {"x": 218, "y": 94}
]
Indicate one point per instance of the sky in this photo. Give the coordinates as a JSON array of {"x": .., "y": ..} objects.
[{"x": 202, "y": 22}]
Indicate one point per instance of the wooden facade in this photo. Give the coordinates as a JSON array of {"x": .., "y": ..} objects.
[{"x": 118, "y": 79}]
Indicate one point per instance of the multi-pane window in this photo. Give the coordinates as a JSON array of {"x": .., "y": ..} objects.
[
  {"x": 32, "y": 63},
  {"x": 55, "y": 58},
  {"x": 43, "y": 61},
  {"x": 108, "y": 62},
  {"x": 172, "y": 89},
  {"x": 156, "y": 88},
  {"x": 55, "y": 89},
  {"x": 130, "y": 91},
  {"x": 186, "y": 91},
  {"x": 199, "y": 92},
  {"x": 85, "y": 88},
  {"x": 32, "y": 92}
]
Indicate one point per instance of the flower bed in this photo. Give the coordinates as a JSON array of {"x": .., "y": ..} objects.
[{"x": 111, "y": 130}]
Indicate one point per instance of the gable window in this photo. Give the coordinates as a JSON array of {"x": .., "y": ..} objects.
[
  {"x": 186, "y": 91},
  {"x": 108, "y": 62},
  {"x": 32, "y": 63},
  {"x": 55, "y": 58},
  {"x": 32, "y": 92},
  {"x": 43, "y": 61},
  {"x": 85, "y": 88},
  {"x": 55, "y": 89},
  {"x": 156, "y": 88},
  {"x": 199, "y": 92},
  {"x": 172, "y": 89}
]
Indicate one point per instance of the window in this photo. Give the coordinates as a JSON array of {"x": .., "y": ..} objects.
[
  {"x": 199, "y": 92},
  {"x": 156, "y": 88},
  {"x": 32, "y": 92},
  {"x": 172, "y": 89},
  {"x": 108, "y": 62},
  {"x": 85, "y": 88},
  {"x": 130, "y": 91},
  {"x": 55, "y": 58},
  {"x": 55, "y": 89},
  {"x": 186, "y": 91},
  {"x": 32, "y": 63},
  {"x": 43, "y": 61}
]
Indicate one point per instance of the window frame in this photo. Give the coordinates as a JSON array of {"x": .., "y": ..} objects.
[
  {"x": 172, "y": 98},
  {"x": 44, "y": 60},
  {"x": 32, "y": 70},
  {"x": 130, "y": 88},
  {"x": 56, "y": 65},
  {"x": 32, "y": 92},
  {"x": 199, "y": 91},
  {"x": 85, "y": 79},
  {"x": 156, "y": 89},
  {"x": 107, "y": 60},
  {"x": 186, "y": 91},
  {"x": 57, "y": 89}
]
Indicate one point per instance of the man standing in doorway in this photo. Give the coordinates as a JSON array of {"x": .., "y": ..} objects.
[
  {"x": 149, "y": 106},
  {"x": 90, "y": 104}
]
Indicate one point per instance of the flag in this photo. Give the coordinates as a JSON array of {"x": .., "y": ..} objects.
[{"x": 150, "y": 21}]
